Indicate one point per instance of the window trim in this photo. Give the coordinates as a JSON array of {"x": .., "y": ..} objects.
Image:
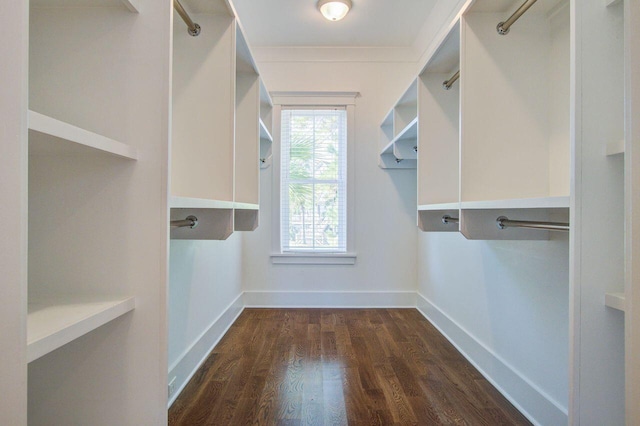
[{"x": 312, "y": 99}]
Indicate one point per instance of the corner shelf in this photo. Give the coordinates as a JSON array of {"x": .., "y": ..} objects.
[
  {"x": 399, "y": 130},
  {"x": 215, "y": 218},
  {"x": 48, "y": 135},
  {"x": 51, "y": 325},
  {"x": 615, "y": 147},
  {"x": 265, "y": 135},
  {"x": 478, "y": 218},
  {"x": 614, "y": 300}
]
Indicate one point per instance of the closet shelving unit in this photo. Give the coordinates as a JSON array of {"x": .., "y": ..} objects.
[
  {"x": 67, "y": 297},
  {"x": 614, "y": 129},
  {"x": 399, "y": 130},
  {"x": 515, "y": 106},
  {"x": 266, "y": 127},
  {"x": 439, "y": 138},
  {"x": 97, "y": 149},
  {"x": 202, "y": 142},
  {"x": 247, "y": 137},
  {"x": 217, "y": 127}
]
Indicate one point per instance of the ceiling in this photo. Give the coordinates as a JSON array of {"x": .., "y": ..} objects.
[{"x": 370, "y": 23}]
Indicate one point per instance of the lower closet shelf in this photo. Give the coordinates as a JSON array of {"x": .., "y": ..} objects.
[{"x": 51, "y": 325}]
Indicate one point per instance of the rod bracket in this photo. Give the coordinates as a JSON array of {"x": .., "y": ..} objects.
[
  {"x": 500, "y": 220},
  {"x": 501, "y": 30},
  {"x": 195, "y": 31},
  {"x": 448, "y": 220}
]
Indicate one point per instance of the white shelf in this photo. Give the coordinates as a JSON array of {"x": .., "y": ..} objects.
[
  {"x": 615, "y": 147},
  {"x": 215, "y": 218},
  {"x": 264, "y": 132},
  {"x": 130, "y": 5},
  {"x": 518, "y": 203},
  {"x": 246, "y": 206},
  {"x": 614, "y": 300},
  {"x": 441, "y": 206},
  {"x": 409, "y": 133},
  {"x": 52, "y": 325},
  {"x": 478, "y": 218},
  {"x": 198, "y": 203},
  {"x": 43, "y": 128}
]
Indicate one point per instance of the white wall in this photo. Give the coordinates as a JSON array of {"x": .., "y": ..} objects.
[
  {"x": 385, "y": 204},
  {"x": 205, "y": 284},
  {"x": 505, "y": 305}
]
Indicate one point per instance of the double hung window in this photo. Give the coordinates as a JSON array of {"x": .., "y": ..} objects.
[{"x": 313, "y": 180}]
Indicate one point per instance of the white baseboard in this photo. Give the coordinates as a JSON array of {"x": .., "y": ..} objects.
[
  {"x": 330, "y": 299},
  {"x": 538, "y": 407},
  {"x": 192, "y": 358}
]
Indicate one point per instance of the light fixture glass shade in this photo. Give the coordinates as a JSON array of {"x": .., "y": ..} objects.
[{"x": 334, "y": 10}]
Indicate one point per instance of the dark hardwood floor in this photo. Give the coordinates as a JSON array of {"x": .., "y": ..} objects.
[{"x": 338, "y": 367}]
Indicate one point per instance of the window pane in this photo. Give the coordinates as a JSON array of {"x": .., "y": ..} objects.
[
  {"x": 301, "y": 215},
  {"x": 326, "y": 216}
]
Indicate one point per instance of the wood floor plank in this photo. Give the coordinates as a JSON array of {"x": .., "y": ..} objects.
[{"x": 338, "y": 367}]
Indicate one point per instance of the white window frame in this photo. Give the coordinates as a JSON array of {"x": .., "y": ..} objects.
[{"x": 322, "y": 100}]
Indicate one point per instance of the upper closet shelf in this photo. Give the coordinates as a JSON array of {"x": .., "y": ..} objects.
[
  {"x": 130, "y": 5},
  {"x": 265, "y": 135},
  {"x": 49, "y": 135},
  {"x": 198, "y": 203},
  {"x": 615, "y": 147},
  {"x": 614, "y": 300},
  {"x": 481, "y": 220},
  {"x": 214, "y": 218},
  {"x": 518, "y": 203},
  {"x": 407, "y": 135},
  {"x": 51, "y": 325},
  {"x": 439, "y": 207}
]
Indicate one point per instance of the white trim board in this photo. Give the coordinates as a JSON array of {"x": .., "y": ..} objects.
[
  {"x": 192, "y": 358},
  {"x": 330, "y": 299},
  {"x": 531, "y": 401}
]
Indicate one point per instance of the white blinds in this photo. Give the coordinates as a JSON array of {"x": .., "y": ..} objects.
[{"x": 313, "y": 186}]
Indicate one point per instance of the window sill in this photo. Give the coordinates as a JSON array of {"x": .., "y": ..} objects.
[{"x": 313, "y": 258}]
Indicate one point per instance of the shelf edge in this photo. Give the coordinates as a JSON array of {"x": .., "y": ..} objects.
[
  {"x": 562, "y": 202},
  {"x": 614, "y": 301},
  {"x": 71, "y": 332},
  {"x": 50, "y": 126},
  {"x": 176, "y": 202}
]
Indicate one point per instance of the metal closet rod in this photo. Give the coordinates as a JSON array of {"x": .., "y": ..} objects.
[
  {"x": 448, "y": 83},
  {"x": 194, "y": 29},
  {"x": 504, "y": 222},
  {"x": 503, "y": 27},
  {"x": 446, "y": 219},
  {"x": 189, "y": 221}
]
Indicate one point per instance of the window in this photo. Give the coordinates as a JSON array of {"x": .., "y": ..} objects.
[{"x": 313, "y": 180}]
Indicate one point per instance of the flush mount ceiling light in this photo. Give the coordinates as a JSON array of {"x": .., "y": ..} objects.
[{"x": 334, "y": 10}]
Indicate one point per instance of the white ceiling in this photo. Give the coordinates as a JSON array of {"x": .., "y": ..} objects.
[{"x": 370, "y": 23}]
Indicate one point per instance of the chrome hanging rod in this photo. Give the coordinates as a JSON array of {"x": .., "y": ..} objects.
[
  {"x": 446, "y": 219},
  {"x": 194, "y": 29},
  {"x": 448, "y": 83},
  {"x": 503, "y": 222},
  {"x": 503, "y": 27},
  {"x": 190, "y": 221}
]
